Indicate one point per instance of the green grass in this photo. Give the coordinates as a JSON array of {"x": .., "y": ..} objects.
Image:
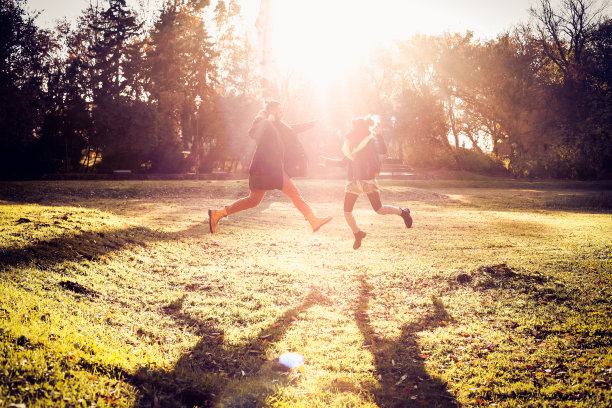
[{"x": 115, "y": 294}]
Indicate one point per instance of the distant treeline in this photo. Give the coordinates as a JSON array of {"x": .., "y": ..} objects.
[{"x": 117, "y": 90}]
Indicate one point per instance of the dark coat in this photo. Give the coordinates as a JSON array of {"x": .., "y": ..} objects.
[
  {"x": 366, "y": 162},
  {"x": 278, "y": 151},
  {"x": 295, "y": 160}
]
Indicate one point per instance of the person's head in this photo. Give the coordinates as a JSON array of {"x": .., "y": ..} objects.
[
  {"x": 362, "y": 124},
  {"x": 274, "y": 108},
  {"x": 360, "y": 128}
]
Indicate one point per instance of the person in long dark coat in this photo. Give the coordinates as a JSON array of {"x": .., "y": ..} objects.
[
  {"x": 278, "y": 156},
  {"x": 362, "y": 146}
]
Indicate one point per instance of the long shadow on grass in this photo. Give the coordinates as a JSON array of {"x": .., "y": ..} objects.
[
  {"x": 400, "y": 368},
  {"x": 208, "y": 374},
  {"x": 78, "y": 246}
]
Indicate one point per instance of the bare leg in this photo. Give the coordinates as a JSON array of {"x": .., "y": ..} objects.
[
  {"x": 390, "y": 209},
  {"x": 349, "y": 203},
  {"x": 294, "y": 195},
  {"x": 382, "y": 209},
  {"x": 296, "y": 198},
  {"x": 250, "y": 201}
]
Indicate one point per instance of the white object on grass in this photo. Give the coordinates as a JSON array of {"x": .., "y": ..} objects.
[{"x": 291, "y": 360}]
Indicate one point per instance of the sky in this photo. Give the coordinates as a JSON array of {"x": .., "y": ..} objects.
[
  {"x": 322, "y": 40},
  {"x": 401, "y": 17},
  {"x": 70, "y": 9}
]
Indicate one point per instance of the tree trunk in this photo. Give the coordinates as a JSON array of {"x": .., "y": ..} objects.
[
  {"x": 95, "y": 159},
  {"x": 474, "y": 142},
  {"x": 88, "y": 157},
  {"x": 453, "y": 121}
]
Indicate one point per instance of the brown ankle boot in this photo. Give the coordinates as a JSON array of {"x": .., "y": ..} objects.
[
  {"x": 213, "y": 219},
  {"x": 316, "y": 222}
]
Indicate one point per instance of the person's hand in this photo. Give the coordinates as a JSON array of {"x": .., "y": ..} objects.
[
  {"x": 312, "y": 123},
  {"x": 377, "y": 129}
]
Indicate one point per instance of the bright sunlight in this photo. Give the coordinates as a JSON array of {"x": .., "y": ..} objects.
[{"x": 322, "y": 41}]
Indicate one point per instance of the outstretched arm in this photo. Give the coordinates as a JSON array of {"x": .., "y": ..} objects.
[
  {"x": 382, "y": 146},
  {"x": 302, "y": 127},
  {"x": 380, "y": 140},
  {"x": 329, "y": 162}
]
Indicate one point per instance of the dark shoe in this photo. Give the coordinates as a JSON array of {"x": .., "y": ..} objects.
[
  {"x": 407, "y": 218},
  {"x": 358, "y": 237}
]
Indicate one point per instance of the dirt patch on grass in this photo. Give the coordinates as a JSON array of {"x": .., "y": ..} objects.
[
  {"x": 78, "y": 288},
  {"x": 501, "y": 276}
]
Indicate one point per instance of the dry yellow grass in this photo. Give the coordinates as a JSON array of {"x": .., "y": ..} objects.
[{"x": 115, "y": 293}]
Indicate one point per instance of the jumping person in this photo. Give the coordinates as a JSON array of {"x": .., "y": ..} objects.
[
  {"x": 361, "y": 150},
  {"x": 278, "y": 157}
]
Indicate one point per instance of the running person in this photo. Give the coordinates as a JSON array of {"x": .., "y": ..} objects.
[
  {"x": 278, "y": 157},
  {"x": 361, "y": 150}
]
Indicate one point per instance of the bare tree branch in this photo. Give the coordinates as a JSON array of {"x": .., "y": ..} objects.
[{"x": 563, "y": 33}]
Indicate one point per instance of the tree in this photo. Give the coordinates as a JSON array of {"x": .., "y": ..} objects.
[
  {"x": 570, "y": 38},
  {"x": 179, "y": 59},
  {"x": 421, "y": 103},
  {"x": 118, "y": 107},
  {"x": 234, "y": 57},
  {"x": 66, "y": 125},
  {"x": 114, "y": 49},
  {"x": 230, "y": 114},
  {"x": 494, "y": 86},
  {"x": 23, "y": 50},
  {"x": 563, "y": 33},
  {"x": 422, "y": 130}
]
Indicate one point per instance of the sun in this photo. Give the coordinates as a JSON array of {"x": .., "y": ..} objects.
[{"x": 322, "y": 40}]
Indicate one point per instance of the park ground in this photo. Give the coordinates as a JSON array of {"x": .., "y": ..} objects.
[{"x": 115, "y": 294}]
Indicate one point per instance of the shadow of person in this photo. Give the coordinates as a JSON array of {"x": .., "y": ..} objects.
[
  {"x": 208, "y": 374},
  {"x": 400, "y": 369},
  {"x": 79, "y": 245}
]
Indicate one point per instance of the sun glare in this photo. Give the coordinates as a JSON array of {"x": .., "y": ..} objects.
[{"x": 323, "y": 40}]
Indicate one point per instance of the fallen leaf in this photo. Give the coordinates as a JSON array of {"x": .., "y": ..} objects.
[{"x": 403, "y": 377}]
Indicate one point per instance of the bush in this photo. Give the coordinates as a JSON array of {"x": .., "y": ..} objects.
[{"x": 479, "y": 162}]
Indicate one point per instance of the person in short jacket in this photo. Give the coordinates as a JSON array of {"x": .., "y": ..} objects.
[
  {"x": 278, "y": 156},
  {"x": 361, "y": 150}
]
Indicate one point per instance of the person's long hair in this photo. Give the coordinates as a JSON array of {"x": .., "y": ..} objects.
[
  {"x": 269, "y": 105},
  {"x": 361, "y": 128}
]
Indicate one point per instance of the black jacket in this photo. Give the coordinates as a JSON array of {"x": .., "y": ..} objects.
[
  {"x": 278, "y": 151},
  {"x": 365, "y": 164}
]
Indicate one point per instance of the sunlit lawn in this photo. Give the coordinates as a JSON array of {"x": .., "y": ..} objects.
[{"x": 115, "y": 294}]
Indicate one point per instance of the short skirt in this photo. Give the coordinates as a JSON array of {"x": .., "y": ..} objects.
[{"x": 359, "y": 187}]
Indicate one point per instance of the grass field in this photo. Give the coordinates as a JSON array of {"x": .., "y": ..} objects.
[{"x": 115, "y": 294}]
